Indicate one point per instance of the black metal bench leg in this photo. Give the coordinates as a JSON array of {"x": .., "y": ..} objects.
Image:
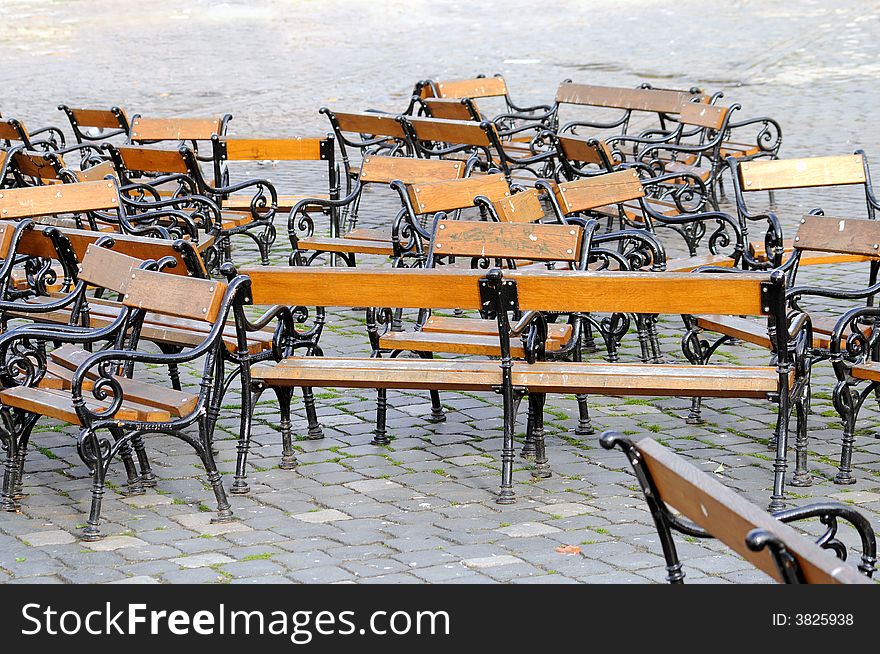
[
  {"x": 250, "y": 394},
  {"x": 288, "y": 456},
  {"x": 134, "y": 484},
  {"x": 536, "y": 405},
  {"x": 437, "y": 413},
  {"x": 802, "y": 476},
  {"x": 777, "y": 499},
  {"x": 845, "y": 402},
  {"x": 89, "y": 439},
  {"x": 528, "y": 449},
  {"x": 148, "y": 479},
  {"x": 224, "y": 511},
  {"x": 7, "y": 503},
  {"x": 315, "y": 431},
  {"x": 381, "y": 437},
  {"x": 585, "y": 424}
]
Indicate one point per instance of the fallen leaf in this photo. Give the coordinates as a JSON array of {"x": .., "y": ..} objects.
[
  {"x": 719, "y": 469},
  {"x": 568, "y": 549}
]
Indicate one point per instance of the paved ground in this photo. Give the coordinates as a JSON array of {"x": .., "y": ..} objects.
[{"x": 422, "y": 509}]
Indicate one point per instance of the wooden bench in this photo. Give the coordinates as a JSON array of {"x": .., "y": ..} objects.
[
  {"x": 682, "y": 498},
  {"x": 408, "y": 235},
  {"x": 97, "y": 391},
  {"x": 436, "y": 137},
  {"x": 377, "y": 133},
  {"x": 535, "y": 293},
  {"x": 96, "y": 125},
  {"x": 826, "y": 172}
]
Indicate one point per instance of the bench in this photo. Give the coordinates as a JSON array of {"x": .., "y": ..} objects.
[
  {"x": 827, "y": 172},
  {"x": 536, "y": 293},
  {"x": 97, "y": 392},
  {"x": 378, "y": 133},
  {"x": 436, "y": 137},
  {"x": 95, "y": 125},
  {"x": 684, "y": 499}
]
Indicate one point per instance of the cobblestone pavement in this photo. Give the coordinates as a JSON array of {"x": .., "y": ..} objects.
[{"x": 422, "y": 509}]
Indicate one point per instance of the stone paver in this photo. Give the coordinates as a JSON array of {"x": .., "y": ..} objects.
[
  {"x": 44, "y": 538},
  {"x": 322, "y": 516},
  {"x": 202, "y": 560}
]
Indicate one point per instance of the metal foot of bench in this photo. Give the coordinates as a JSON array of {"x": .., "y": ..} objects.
[
  {"x": 288, "y": 463},
  {"x": 222, "y": 517},
  {"x": 437, "y": 416},
  {"x": 542, "y": 471},
  {"x": 91, "y": 534},
  {"x": 148, "y": 480},
  {"x": 315, "y": 433},
  {"x": 240, "y": 487},
  {"x": 506, "y": 496},
  {"x": 801, "y": 479},
  {"x": 844, "y": 478}
]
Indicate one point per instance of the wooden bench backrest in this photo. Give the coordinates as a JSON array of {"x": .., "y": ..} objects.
[
  {"x": 96, "y": 173},
  {"x": 144, "y": 159},
  {"x": 172, "y": 295},
  {"x": 104, "y": 118},
  {"x": 458, "y": 132},
  {"x": 384, "y": 170},
  {"x": 478, "y": 87},
  {"x": 593, "y": 192},
  {"x": 8, "y": 132},
  {"x": 457, "y": 194},
  {"x": 292, "y": 149},
  {"x": 703, "y": 115},
  {"x": 357, "y": 287},
  {"x": 802, "y": 173},
  {"x": 537, "y": 242},
  {"x": 34, "y": 164},
  {"x": 522, "y": 207},
  {"x": 640, "y": 292},
  {"x": 448, "y": 108},
  {"x": 175, "y": 129},
  {"x": 7, "y": 231},
  {"x": 585, "y": 149},
  {"x": 367, "y": 122},
  {"x": 56, "y": 199},
  {"x": 730, "y": 517},
  {"x": 105, "y": 268},
  {"x": 139, "y": 247},
  {"x": 841, "y": 235},
  {"x": 612, "y": 97}
]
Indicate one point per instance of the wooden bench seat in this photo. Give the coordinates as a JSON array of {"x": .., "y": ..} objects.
[
  {"x": 808, "y": 258},
  {"x": 59, "y": 405},
  {"x": 346, "y": 245},
  {"x": 285, "y": 202}
]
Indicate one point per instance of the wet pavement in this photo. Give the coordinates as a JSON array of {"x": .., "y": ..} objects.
[{"x": 422, "y": 509}]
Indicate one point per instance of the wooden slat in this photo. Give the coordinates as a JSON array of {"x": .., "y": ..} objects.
[
  {"x": 293, "y": 149},
  {"x": 186, "y": 297},
  {"x": 50, "y": 200},
  {"x": 612, "y": 97},
  {"x": 750, "y": 331},
  {"x": 448, "y": 108},
  {"x": 454, "y": 343},
  {"x": 8, "y": 132},
  {"x": 379, "y": 170},
  {"x": 593, "y": 192},
  {"x": 107, "y": 268},
  {"x": 367, "y": 122},
  {"x": 138, "y": 158},
  {"x": 345, "y": 287},
  {"x": 522, "y": 207},
  {"x": 652, "y": 380},
  {"x": 95, "y": 118},
  {"x": 7, "y": 230},
  {"x": 457, "y": 194},
  {"x": 457, "y": 132},
  {"x": 537, "y": 242},
  {"x": 869, "y": 371},
  {"x": 59, "y": 405},
  {"x": 729, "y": 517},
  {"x": 34, "y": 165},
  {"x": 643, "y": 292},
  {"x": 585, "y": 149},
  {"x": 380, "y": 373},
  {"x": 687, "y": 264},
  {"x": 345, "y": 244},
  {"x": 555, "y": 332},
  {"x": 481, "y": 87},
  {"x": 703, "y": 115},
  {"x": 176, "y": 403},
  {"x": 96, "y": 173},
  {"x": 139, "y": 247},
  {"x": 841, "y": 235},
  {"x": 174, "y": 129},
  {"x": 802, "y": 173}
]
